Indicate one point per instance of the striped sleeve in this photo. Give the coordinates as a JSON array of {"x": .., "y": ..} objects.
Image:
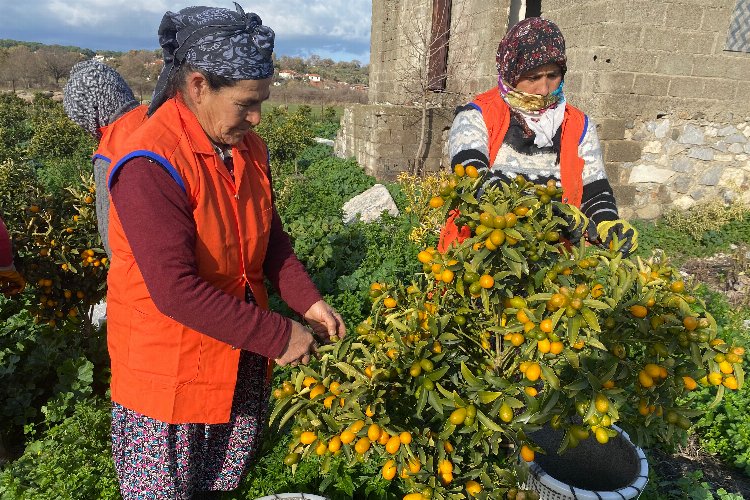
[
  {"x": 598, "y": 201},
  {"x": 468, "y": 141}
]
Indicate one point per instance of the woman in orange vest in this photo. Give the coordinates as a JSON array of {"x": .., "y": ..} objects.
[
  {"x": 99, "y": 100},
  {"x": 524, "y": 126},
  {"x": 194, "y": 232}
]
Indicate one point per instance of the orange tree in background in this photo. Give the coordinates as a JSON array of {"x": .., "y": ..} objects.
[
  {"x": 507, "y": 332},
  {"x": 50, "y": 211}
]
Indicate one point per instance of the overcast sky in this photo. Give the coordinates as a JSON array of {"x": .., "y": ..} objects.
[{"x": 339, "y": 29}]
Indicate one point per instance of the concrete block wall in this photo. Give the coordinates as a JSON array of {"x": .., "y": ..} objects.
[
  {"x": 400, "y": 34},
  {"x": 634, "y": 64},
  {"x": 384, "y": 138},
  {"x": 476, "y": 30},
  {"x": 384, "y": 134}
]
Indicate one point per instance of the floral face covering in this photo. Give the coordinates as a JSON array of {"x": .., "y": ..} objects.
[{"x": 530, "y": 103}]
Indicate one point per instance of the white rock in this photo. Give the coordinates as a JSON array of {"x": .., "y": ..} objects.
[
  {"x": 653, "y": 147},
  {"x": 711, "y": 131},
  {"x": 370, "y": 205},
  {"x": 684, "y": 202},
  {"x": 649, "y": 173},
  {"x": 661, "y": 129}
]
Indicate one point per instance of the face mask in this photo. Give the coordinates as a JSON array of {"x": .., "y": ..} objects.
[{"x": 530, "y": 102}]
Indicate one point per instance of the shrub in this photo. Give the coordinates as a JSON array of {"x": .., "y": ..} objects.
[
  {"x": 506, "y": 332},
  {"x": 15, "y": 127},
  {"x": 72, "y": 459},
  {"x": 705, "y": 218},
  {"x": 724, "y": 429},
  {"x": 286, "y": 134}
]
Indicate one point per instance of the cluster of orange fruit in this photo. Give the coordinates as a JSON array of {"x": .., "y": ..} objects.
[{"x": 59, "y": 254}]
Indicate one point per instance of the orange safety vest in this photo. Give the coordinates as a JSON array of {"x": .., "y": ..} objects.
[
  {"x": 119, "y": 132},
  {"x": 496, "y": 115},
  {"x": 160, "y": 367}
]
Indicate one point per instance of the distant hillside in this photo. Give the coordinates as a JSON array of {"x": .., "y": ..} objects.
[
  {"x": 34, "y": 66},
  {"x": 6, "y": 43}
]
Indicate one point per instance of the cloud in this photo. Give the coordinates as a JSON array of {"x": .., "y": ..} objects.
[{"x": 339, "y": 29}]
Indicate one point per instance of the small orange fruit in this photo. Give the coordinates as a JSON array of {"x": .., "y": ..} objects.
[{"x": 527, "y": 453}]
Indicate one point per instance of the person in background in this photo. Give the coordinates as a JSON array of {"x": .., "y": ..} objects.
[
  {"x": 524, "y": 126},
  {"x": 11, "y": 281},
  {"x": 194, "y": 231},
  {"x": 99, "y": 100}
]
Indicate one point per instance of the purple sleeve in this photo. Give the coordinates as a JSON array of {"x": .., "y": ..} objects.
[
  {"x": 286, "y": 273},
  {"x": 149, "y": 203},
  {"x": 6, "y": 248}
]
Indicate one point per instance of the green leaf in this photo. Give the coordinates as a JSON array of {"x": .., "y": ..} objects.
[
  {"x": 445, "y": 392},
  {"x": 290, "y": 413},
  {"x": 595, "y": 304},
  {"x": 469, "y": 377},
  {"x": 487, "y": 397},
  {"x": 348, "y": 370},
  {"x": 434, "y": 401},
  {"x": 574, "y": 325},
  {"x": 421, "y": 402},
  {"x": 488, "y": 422},
  {"x": 396, "y": 323},
  {"x": 590, "y": 318},
  {"x": 551, "y": 376}
]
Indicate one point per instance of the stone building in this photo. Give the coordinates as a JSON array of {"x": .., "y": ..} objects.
[{"x": 666, "y": 80}]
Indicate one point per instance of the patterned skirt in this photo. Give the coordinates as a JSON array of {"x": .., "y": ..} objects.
[{"x": 160, "y": 461}]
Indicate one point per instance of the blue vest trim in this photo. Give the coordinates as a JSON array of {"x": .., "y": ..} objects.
[
  {"x": 585, "y": 128},
  {"x": 153, "y": 156},
  {"x": 97, "y": 155}
]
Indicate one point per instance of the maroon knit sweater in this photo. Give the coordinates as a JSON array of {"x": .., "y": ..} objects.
[
  {"x": 6, "y": 249},
  {"x": 158, "y": 223}
]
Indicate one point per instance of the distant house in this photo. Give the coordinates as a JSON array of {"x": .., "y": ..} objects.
[
  {"x": 288, "y": 74},
  {"x": 312, "y": 78}
]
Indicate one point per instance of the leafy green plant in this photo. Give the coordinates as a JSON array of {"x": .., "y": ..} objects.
[
  {"x": 690, "y": 487},
  {"x": 70, "y": 460},
  {"x": 706, "y": 218}
]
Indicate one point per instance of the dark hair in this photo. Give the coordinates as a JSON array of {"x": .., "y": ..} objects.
[{"x": 177, "y": 81}]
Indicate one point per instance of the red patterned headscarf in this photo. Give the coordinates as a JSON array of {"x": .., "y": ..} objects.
[{"x": 529, "y": 44}]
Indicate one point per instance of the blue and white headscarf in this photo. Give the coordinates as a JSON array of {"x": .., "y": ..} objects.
[{"x": 218, "y": 41}]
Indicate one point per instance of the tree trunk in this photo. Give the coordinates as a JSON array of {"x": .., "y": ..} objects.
[{"x": 418, "y": 160}]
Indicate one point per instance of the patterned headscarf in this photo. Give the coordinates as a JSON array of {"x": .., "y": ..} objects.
[
  {"x": 96, "y": 95},
  {"x": 218, "y": 41},
  {"x": 529, "y": 44}
]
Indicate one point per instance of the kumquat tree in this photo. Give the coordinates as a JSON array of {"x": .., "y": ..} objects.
[
  {"x": 57, "y": 239},
  {"x": 508, "y": 331}
]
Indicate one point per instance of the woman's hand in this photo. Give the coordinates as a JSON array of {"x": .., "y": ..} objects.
[
  {"x": 618, "y": 235},
  {"x": 301, "y": 345},
  {"x": 11, "y": 282},
  {"x": 325, "y": 321}
]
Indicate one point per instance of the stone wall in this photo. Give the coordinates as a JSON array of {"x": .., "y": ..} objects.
[
  {"x": 671, "y": 104},
  {"x": 400, "y": 34},
  {"x": 655, "y": 76},
  {"x": 384, "y": 135},
  {"x": 685, "y": 162}
]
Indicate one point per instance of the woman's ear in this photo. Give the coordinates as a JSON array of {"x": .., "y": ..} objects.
[{"x": 196, "y": 87}]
